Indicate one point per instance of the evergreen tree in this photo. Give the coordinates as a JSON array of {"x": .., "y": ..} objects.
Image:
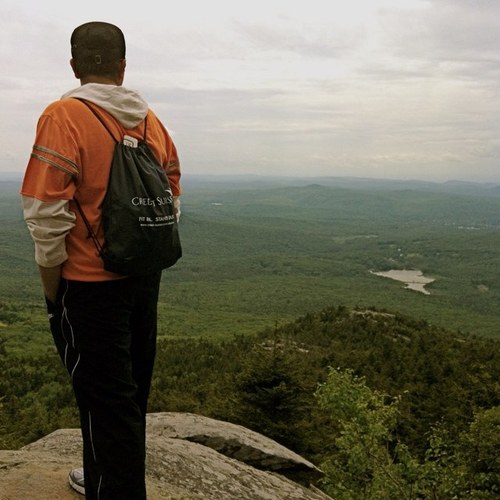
[{"x": 270, "y": 396}]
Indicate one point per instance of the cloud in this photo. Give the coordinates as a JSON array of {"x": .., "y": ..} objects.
[
  {"x": 385, "y": 87},
  {"x": 454, "y": 38},
  {"x": 318, "y": 40}
]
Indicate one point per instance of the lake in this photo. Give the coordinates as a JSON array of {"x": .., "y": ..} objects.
[{"x": 414, "y": 279}]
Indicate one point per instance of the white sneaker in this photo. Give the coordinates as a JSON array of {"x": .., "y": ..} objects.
[{"x": 77, "y": 480}]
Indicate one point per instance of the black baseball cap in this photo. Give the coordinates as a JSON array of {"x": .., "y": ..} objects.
[{"x": 97, "y": 42}]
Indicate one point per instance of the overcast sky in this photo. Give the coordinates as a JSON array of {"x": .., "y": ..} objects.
[{"x": 405, "y": 89}]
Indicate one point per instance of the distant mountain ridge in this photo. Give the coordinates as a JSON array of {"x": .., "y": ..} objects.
[{"x": 364, "y": 183}]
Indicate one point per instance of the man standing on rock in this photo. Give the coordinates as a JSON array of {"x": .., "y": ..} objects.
[{"x": 103, "y": 324}]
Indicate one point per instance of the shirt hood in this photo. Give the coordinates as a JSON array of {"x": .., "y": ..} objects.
[{"x": 126, "y": 105}]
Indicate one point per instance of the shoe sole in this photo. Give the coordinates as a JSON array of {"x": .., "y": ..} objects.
[{"x": 77, "y": 487}]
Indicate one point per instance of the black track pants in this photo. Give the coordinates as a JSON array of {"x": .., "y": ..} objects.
[{"x": 105, "y": 333}]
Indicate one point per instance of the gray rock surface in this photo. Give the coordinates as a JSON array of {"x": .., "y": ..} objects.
[
  {"x": 231, "y": 440},
  {"x": 185, "y": 461}
]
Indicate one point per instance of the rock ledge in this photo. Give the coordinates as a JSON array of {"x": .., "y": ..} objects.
[{"x": 189, "y": 457}]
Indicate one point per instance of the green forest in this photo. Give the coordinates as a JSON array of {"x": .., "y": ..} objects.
[{"x": 273, "y": 319}]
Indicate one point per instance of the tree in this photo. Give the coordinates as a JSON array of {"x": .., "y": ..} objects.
[
  {"x": 479, "y": 454},
  {"x": 467, "y": 466},
  {"x": 366, "y": 463},
  {"x": 270, "y": 394}
]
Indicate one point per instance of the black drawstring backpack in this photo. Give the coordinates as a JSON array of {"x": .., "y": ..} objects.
[{"x": 140, "y": 228}]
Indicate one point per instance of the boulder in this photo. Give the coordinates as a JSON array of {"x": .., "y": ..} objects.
[
  {"x": 180, "y": 464},
  {"x": 233, "y": 441}
]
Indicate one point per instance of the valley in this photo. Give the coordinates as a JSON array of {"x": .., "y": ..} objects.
[
  {"x": 259, "y": 252},
  {"x": 276, "y": 296}
]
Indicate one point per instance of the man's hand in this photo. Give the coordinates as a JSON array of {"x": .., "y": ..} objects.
[{"x": 51, "y": 277}]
